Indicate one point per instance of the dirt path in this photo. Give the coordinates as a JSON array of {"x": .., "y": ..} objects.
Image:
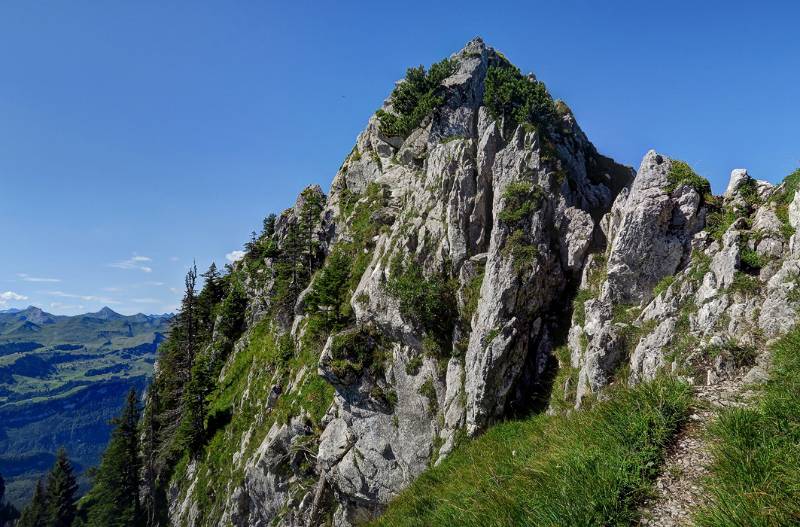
[{"x": 678, "y": 490}]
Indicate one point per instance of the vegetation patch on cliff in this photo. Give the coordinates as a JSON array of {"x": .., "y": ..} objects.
[
  {"x": 521, "y": 200},
  {"x": 515, "y": 99},
  {"x": 680, "y": 173},
  {"x": 415, "y": 98},
  {"x": 781, "y": 200},
  {"x": 755, "y": 475},
  {"x": 585, "y": 468},
  {"x": 429, "y": 302}
]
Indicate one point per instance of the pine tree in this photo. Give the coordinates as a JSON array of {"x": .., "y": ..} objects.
[
  {"x": 35, "y": 514},
  {"x": 292, "y": 260},
  {"x": 61, "y": 490},
  {"x": 149, "y": 460},
  {"x": 310, "y": 212},
  {"x": 175, "y": 372},
  {"x": 115, "y": 495},
  {"x": 269, "y": 226},
  {"x": 192, "y": 430},
  {"x": 232, "y": 312},
  {"x": 187, "y": 321},
  {"x": 8, "y": 513},
  {"x": 213, "y": 292}
]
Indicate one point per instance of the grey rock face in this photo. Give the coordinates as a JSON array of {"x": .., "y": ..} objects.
[
  {"x": 649, "y": 231},
  {"x": 654, "y": 231},
  {"x": 717, "y": 311}
]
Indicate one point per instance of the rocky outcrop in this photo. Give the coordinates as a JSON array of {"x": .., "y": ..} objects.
[
  {"x": 472, "y": 238},
  {"x": 649, "y": 231},
  {"x": 699, "y": 303},
  {"x": 448, "y": 221}
]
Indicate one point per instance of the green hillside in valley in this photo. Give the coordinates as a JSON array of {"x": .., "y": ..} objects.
[{"x": 61, "y": 380}]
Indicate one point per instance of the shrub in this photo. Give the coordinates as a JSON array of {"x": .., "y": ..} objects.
[
  {"x": 415, "y": 98},
  {"x": 427, "y": 302},
  {"x": 749, "y": 192},
  {"x": 354, "y": 351},
  {"x": 232, "y": 312},
  {"x": 515, "y": 99},
  {"x": 329, "y": 297},
  {"x": 413, "y": 365},
  {"x": 751, "y": 260},
  {"x": 427, "y": 390},
  {"x": 521, "y": 200}
]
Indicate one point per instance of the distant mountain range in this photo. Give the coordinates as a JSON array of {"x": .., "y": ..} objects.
[{"x": 62, "y": 378}]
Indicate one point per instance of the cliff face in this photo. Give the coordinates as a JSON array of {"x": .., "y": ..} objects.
[{"x": 460, "y": 249}]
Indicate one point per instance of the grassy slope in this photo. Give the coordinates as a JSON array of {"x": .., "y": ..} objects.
[
  {"x": 586, "y": 468},
  {"x": 242, "y": 395},
  {"x": 755, "y": 477}
]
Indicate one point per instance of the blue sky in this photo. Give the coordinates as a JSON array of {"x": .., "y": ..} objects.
[{"x": 136, "y": 137}]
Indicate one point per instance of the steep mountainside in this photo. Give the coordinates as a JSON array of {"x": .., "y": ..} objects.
[
  {"x": 476, "y": 260},
  {"x": 49, "y": 366}
]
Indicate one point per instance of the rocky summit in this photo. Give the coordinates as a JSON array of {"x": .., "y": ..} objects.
[{"x": 476, "y": 260}]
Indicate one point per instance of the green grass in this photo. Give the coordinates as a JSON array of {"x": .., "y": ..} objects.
[
  {"x": 586, "y": 468},
  {"x": 579, "y": 305},
  {"x": 719, "y": 220},
  {"x": 680, "y": 173},
  {"x": 663, "y": 284},
  {"x": 744, "y": 283},
  {"x": 755, "y": 475},
  {"x": 783, "y": 198},
  {"x": 565, "y": 383}
]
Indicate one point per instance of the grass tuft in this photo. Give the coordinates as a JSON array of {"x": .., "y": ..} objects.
[{"x": 680, "y": 173}]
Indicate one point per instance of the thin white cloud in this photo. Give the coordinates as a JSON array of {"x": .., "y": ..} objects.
[
  {"x": 85, "y": 298},
  {"x": 145, "y": 300},
  {"x": 173, "y": 258},
  {"x": 11, "y": 296},
  {"x": 234, "y": 256},
  {"x": 134, "y": 262},
  {"x": 156, "y": 284},
  {"x": 65, "y": 307},
  {"x": 112, "y": 289},
  {"x": 25, "y": 277},
  {"x": 175, "y": 290}
]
